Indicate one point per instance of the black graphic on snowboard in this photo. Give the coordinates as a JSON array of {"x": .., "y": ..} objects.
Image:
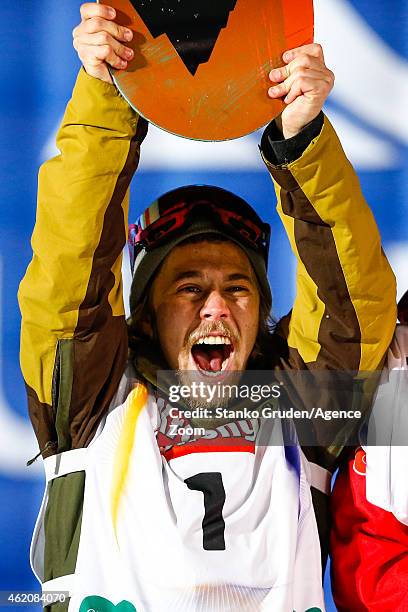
[{"x": 192, "y": 26}]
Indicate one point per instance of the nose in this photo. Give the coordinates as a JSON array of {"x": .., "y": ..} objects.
[{"x": 215, "y": 308}]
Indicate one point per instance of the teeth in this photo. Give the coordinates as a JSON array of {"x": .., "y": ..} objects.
[
  {"x": 208, "y": 373},
  {"x": 214, "y": 340}
]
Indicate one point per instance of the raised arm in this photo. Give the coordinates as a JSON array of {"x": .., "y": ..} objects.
[
  {"x": 345, "y": 309},
  {"x": 74, "y": 340},
  {"x": 344, "y": 313}
]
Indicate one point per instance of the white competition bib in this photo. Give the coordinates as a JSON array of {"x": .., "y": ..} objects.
[{"x": 220, "y": 530}]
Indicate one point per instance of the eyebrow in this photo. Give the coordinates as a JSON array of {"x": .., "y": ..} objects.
[
  {"x": 239, "y": 276},
  {"x": 235, "y": 276},
  {"x": 187, "y": 274}
]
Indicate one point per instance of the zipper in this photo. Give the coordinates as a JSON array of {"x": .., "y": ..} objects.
[
  {"x": 54, "y": 401},
  {"x": 56, "y": 379},
  {"x": 49, "y": 444}
]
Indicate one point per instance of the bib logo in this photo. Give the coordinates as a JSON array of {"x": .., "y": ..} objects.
[
  {"x": 192, "y": 26},
  {"x": 360, "y": 462},
  {"x": 94, "y": 603}
]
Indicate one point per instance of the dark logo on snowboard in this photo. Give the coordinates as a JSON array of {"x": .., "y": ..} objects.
[{"x": 192, "y": 26}]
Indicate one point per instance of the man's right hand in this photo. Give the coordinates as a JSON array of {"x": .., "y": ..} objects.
[{"x": 99, "y": 41}]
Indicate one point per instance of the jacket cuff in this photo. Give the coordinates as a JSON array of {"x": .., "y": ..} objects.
[{"x": 277, "y": 151}]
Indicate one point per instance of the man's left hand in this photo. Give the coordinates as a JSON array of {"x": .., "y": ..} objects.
[{"x": 304, "y": 84}]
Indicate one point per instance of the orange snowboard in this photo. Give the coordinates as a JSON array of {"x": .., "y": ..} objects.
[{"x": 201, "y": 67}]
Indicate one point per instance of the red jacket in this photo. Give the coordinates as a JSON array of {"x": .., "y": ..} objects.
[{"x": 369, "y": 547}]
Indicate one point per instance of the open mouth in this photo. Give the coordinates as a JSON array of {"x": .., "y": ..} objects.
[{"x": 212, "y": 354}]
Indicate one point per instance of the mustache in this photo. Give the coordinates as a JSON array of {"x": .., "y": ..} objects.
[{"x": 219, "y": 327}]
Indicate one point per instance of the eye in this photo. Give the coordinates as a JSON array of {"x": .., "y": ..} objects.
[
  {"x": 237, "y": 289},
  {"x": 189, "y": 289}
]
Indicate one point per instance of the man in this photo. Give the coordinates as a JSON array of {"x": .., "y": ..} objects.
[{"x": 185, "y": 526}]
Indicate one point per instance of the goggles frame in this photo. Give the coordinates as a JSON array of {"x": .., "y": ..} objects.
[{"x": 242, "y": 225}]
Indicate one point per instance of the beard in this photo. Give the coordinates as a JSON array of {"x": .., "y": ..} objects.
[
  {"x": 220, "y": 395},
  {"x": 211, "y": 395}
]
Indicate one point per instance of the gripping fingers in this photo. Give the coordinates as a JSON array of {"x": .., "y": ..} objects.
[
  {"x": 277, "y": 75},
  {"x": 303, "y": 77},
  {"x": 98, "y": 41},
  {"x": 103, "y": 39},
  {"x": 92, "y": 9},
  {"x": 305, "y": 85},
  {"x": 92, "y": 55},
  {"x": 98, "y": 24},
  {"x": 304, "y": 81},
  {"x": 314, "y": 49}
]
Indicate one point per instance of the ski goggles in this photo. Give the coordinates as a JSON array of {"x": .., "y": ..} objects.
[{"x": 166, "y": 219}]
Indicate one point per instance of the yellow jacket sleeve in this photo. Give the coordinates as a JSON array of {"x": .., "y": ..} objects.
[
  {"x": 344, "y": 313},
  {"x": 73, "y": 339}
]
